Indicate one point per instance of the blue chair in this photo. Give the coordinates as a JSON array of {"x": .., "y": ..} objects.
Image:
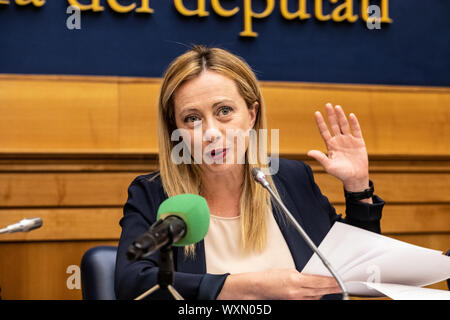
[
  {"x": 97, "y": 273},
  {"x": 448, "y": 280}
]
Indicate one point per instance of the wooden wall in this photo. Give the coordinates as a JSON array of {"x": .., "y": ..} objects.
[{"x": 71, "y": 145}]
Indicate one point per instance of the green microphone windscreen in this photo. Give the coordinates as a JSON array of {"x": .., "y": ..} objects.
[{"x": 194, "y": 211}]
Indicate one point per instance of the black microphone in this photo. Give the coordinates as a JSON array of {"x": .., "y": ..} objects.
[
  {"x": 260, "y": 177},
  {"x": 160, "y": 234},
  {"x": 24, "y": 225},
  {"x": 181, "y": 220}
]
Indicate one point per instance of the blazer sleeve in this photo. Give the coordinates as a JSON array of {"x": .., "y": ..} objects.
[
  {"x": 359, "y": 214},
  {"x": 133, "y": 278}
]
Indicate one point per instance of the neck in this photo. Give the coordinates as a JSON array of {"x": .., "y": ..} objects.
[{"x": 223, "y": 190}]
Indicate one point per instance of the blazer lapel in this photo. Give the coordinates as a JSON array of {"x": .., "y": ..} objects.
[{"x": 300, "y": 251}]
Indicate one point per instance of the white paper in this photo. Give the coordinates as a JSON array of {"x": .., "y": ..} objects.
[
  {"x": 361, "y": 257},
  {"x": 402, "y": 292}
]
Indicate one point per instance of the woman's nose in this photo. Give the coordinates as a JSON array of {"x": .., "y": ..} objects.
[{"x": 212, "y": 131}]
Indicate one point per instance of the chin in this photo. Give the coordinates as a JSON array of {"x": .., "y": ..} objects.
[{"x": 219, "y": 168}]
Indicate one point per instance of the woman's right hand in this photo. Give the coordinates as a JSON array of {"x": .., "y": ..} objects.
[{"x": 277, "y": 284}]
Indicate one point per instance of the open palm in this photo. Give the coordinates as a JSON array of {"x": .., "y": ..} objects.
[{"x": 346, "y": 157}]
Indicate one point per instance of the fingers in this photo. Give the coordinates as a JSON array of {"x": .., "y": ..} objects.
[
  {"x": 323, "y": 128},
  {"x": 293, "y": 285},
  {"x": 320, "y": 157},
  {"x": 314, "y": 287},
  {"x": 332, "y": 119},
  {"x": 355, "y": 126},
  {"x": 313, "y": 281},
  {"x": 319, "y": 292},
  {"x": 342, "y": 119},
  {"x": 338, "y": 122}
]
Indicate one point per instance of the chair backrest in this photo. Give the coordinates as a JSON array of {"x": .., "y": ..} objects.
[
  {"x": 97, "y": 273},
  {"x": 448, "y": 280}
]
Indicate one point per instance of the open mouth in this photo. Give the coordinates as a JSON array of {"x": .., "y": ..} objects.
[{"x": 218, "y": 153}]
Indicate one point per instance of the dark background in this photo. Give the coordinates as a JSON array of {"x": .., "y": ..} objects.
[{"x": 413, "y": 50}]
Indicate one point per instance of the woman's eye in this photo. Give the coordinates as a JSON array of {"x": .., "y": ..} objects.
[
  {"x": 225, "y": 110},
  {"x": 191, "y": 119}
]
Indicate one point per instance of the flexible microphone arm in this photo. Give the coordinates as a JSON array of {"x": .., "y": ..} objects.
[{"x": 260, "y": 177}]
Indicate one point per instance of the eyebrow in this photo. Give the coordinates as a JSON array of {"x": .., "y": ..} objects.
[{"x": 213, "y": 106}]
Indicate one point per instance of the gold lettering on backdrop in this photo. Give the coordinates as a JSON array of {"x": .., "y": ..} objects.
[
  {"x": 301, "y": 12},
  {"x": 201, "y": 12},
  {"x": 120, "y": 8},
  {"x": 343, "y": 12},
  {"x": 384, "y": 11},
  {"x": 221, "y": 11},
  {"x": 249, "y": 14},
  {"x": 36, "y": 3},
  {"x": 145, "y": 7},
  {"x": 318, "y": 12},
  {"x": 94, "y": 6}
]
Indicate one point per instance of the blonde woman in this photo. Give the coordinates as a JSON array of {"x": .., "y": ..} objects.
[{"x": 250, "y": 251}]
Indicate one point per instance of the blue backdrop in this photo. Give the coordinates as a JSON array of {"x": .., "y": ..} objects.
[{"x": 413, "y": 50}]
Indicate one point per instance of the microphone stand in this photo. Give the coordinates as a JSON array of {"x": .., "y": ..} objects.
[
  {"x": 165, "y": 275},
  {"x": 260, "y": 178}
]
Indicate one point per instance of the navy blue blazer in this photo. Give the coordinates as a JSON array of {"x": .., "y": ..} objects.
[{"x": 299, "y": 192}]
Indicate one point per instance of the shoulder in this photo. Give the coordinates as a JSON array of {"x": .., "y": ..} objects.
[
  {"x": 148, "y": 187},
  {"x": 148, "y": 178},
  {"x": 287, "y": 164},
  {"x": 145, "y": 194},
  {"x": 148, "y": 181},
  {"x": 293, "y": 170},
  {"x": 294, "y": 176}
]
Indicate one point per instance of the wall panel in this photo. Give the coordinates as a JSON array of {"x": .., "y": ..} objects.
[
  {"x": 70, "y": 146},
  {"x": 103, "y": 114}
]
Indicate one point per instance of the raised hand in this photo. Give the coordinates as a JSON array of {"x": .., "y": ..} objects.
[{"x": 346, "y": 157}]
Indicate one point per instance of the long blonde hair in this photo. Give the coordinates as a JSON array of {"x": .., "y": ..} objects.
[{"x": 182, "y": 178}]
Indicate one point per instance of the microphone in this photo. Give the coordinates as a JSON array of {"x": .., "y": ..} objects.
[
  {"x": 260, "y": 177},
  {"x": 24, "y": 225},
  {"x": 181, "y": 220}
]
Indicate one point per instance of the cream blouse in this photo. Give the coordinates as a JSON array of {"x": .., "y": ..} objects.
[{"x": 223, "y": 253}]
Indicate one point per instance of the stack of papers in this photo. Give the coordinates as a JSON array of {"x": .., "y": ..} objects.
[{"x": 373, "y": 265}]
